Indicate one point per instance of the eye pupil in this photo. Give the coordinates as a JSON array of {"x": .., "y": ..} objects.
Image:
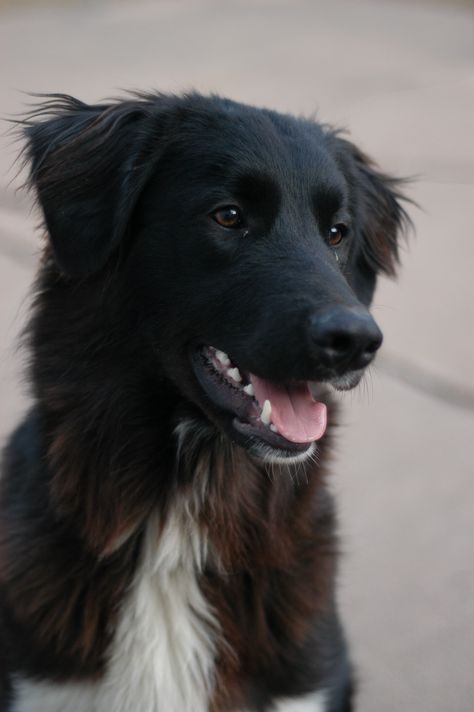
[
  {"x": 228, "y": 216},
  {"x": 337, "y": 233}
]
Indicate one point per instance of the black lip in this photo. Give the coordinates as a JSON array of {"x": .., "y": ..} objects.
[
  {"x": 239, "y": 413},
  {"x": 219, "y": 391},
  {"x": 260, "y": 432}
]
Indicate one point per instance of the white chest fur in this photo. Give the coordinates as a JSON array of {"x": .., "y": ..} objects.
[
  {"x": 314, "y": 702},
  {"x": 162, "y": 657}
]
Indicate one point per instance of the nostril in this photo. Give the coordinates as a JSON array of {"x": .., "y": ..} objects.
[
  {"x": 334, "y": 346},
  {"x": 339, "y": 343}
]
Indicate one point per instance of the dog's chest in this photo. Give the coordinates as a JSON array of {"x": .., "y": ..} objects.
[{"x": 162, "y": 656}]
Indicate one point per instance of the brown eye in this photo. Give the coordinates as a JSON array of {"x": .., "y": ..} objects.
[
  {"x": 337, "y": 233},
  {"x": 228, "y": 216}
]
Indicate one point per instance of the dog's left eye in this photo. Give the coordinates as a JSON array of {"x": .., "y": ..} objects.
[
  {"x": 229, "y": 216},
  {"x": 337, "y": 234}
]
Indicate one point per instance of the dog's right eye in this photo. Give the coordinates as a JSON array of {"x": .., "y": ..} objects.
[{"x": 228, "y": 216}]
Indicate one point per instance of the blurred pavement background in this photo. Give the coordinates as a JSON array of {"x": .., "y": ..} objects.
[{"x": 399, "y": 75}]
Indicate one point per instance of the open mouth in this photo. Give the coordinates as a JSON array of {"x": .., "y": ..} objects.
[{"x": 285, "y": 417}]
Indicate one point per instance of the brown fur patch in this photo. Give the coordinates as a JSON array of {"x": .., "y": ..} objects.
[
  {"x": 272, "y": 557},
  {"x": 63, "y": 597}
]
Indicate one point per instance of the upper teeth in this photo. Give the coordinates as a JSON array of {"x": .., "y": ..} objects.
[
  {"x": 223, "y": 358},
  {"x": 235, "y": 374},
  {"x": 266, "y": 413}
]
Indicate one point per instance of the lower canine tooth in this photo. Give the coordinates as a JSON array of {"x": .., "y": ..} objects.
[
  {"x": 234, "y": 373},
  {"x": 248, "y": 390},
  {"x": 266, "y": 413},
  {"x": 273, "y": 428}
]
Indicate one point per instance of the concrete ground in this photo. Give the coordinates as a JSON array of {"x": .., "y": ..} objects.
[{"x": 399, "y": 75}]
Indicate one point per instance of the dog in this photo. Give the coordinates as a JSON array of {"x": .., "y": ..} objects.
[{"x": 168, "y": 542}]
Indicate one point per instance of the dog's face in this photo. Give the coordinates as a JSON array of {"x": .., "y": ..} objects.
[{"x": 249, "y": 243}]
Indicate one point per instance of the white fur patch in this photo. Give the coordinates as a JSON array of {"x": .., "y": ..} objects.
[
  {"x": 162, "y": 657},
  {"x": 47, "y": 697},
  {"x": 315, "y": 702},
  {"x": 163, "y": 654}
]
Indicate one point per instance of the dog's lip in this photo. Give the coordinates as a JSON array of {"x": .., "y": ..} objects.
[
  {"x": 232, "y": 390},
  {"x": 257, "y": 430}
]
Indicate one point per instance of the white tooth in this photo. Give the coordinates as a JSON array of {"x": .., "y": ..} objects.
[
  {"x": 234, "y": 373},
  {"x": 223, "y": 358},
  {"x": 273, "y": 428},
  {"x": 266, "y": 413},
  {"x": 249, "y": 390}
]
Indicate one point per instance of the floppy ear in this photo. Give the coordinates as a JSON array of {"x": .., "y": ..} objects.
[
  {"x": 88, "y": 165},
  {"x": 379, "y": 212}
]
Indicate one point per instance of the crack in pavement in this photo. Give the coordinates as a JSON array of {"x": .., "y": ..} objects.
[{"x": 422, "y": 379}]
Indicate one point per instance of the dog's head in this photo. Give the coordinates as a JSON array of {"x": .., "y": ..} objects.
[{"x": 247, "y": 243}]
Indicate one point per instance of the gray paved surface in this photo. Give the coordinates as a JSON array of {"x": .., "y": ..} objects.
[{"x": 400, "y": 75}]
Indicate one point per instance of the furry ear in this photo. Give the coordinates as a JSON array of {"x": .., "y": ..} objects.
[
  {"x": 88, "y": 165},
  {"x": 377, "y": 207}
]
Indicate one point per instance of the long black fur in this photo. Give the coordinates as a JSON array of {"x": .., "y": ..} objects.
[{"x": 135, "y": 275}]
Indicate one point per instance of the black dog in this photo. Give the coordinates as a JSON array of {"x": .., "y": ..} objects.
[{"x": 167, "y": 542}]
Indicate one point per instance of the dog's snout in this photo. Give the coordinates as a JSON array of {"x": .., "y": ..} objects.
[{"x": 344, "y": 337}]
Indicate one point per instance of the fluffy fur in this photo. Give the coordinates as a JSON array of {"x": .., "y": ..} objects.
[{"x": 153, "y": 556}]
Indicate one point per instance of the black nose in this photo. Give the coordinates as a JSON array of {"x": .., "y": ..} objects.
[{"x": 344, "y": 338}]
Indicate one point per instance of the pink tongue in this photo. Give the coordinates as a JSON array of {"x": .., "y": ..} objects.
[{"x": 295, "y": 413}]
